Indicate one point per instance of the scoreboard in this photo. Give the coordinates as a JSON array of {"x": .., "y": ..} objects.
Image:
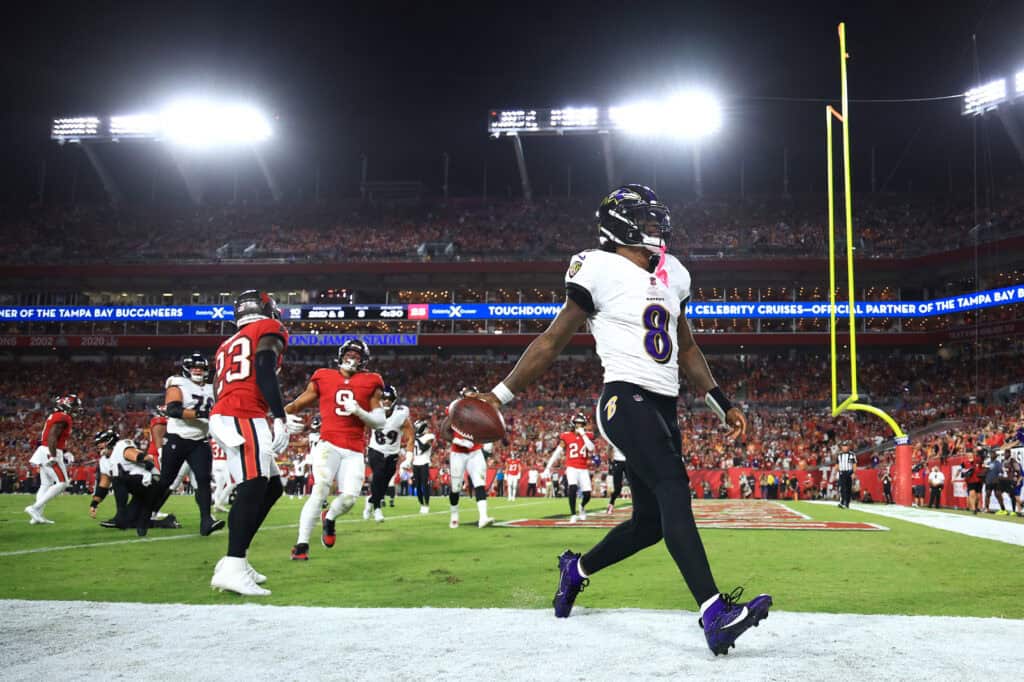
[{"x": 548, "y": 121}]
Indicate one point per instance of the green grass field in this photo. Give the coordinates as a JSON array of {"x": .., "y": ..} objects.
[{"x": 418, "y": 561}]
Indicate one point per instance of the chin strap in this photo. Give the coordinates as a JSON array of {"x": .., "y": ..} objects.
[{"x": 659, "y": 271}]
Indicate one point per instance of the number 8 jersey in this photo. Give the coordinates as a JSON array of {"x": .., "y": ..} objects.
[
  {"x": 339, "y": 427},
  {"x": 238, "y": 395},
  {"x": 634, "y": 316}
]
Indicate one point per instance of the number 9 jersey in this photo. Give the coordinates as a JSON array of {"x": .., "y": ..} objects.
[
  {"x": 634, "y": 316},
  {"x": 238, "y": 395},
  {"x": 340, "y": 428}
]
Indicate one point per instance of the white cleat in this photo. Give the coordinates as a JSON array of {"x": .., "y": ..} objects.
[
  {"x": 454, "y": 522},
  {"x": 232, "y": 575},
  {"x": 610, "y": 509},
  {"x": 583, "y": 514},
  {"x": 367, "y": 510},
  {"x": 485, "y": 522},
  {"x": 573, "y": 518},
  {"x": 424, "y": 510},
  {"x": 256, "y": 576},
  {"x": 34, "y": 516},
  {"x": 378, "y": 515}
]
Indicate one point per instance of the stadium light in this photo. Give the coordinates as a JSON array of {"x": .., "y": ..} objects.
[
  {"x": 985, "y": 97},
  {"x": 687, "y": 115},
  {"x": 1019, "y": 83},
  {"x": 203, "y": 124}
]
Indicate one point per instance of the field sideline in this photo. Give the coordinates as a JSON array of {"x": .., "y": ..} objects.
[{"x": 415, "y": 561}]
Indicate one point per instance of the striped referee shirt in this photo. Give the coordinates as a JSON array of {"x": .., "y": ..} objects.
[{"x": 847, "y": 461}]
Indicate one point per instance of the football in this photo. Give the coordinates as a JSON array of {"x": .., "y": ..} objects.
[{"x": 476, "y": 419}]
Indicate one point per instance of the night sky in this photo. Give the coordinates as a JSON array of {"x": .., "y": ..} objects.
[{"x": 405, "y": 82}]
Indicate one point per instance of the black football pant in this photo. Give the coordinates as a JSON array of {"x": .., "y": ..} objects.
[
  {"x": 135, "y": 502},
  {"x": 845, "y": 487},
  {"x": 177, "y": 451},
  {"x": 421, "y": 479},
  {"x": 618, "y": 468},
  {"x": 644, "y": 427},
  {"x": 383, "y": 468}
]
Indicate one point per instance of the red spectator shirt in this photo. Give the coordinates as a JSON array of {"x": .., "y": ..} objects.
[
  {"x": 58, "y": 418},
  {"x": 576, "y": 455},
  {"x": 917, "y": 477},
  {"x": 340, "y": 428},
  {"x": 513, "y": 467},
  {"x": 978, "y": 475},
  {"x": 238, "y": 394}
]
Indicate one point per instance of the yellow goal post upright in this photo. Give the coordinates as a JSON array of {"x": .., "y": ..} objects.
[{"x": 901, "y": 475}]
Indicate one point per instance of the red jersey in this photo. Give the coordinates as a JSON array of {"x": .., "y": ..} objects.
[
  {"x": 58, "y": 418},
  {"x": 576, "y": 454},
  {"x": 238, "y": 395},
  {"x": 513, "y": 467},
  {"x": 154, "y": 447},
  {"x": 340, "y": 428}
]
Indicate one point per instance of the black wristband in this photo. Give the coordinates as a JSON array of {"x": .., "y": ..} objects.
[
  {"x": 719, "y": 397},
  {"x": 175, "y": 409}
]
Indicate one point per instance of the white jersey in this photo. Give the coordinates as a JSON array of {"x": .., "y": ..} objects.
[
  {"x": 314, "y": 440},
  {"x": 106, "y": 467},
  {"x": 387, "y": 440},
  {"x": 193, "y": 396},
  {"x": 121, "y": 466},
  {"x": 634, "y": 317},
  {"x": 424, "y": 449}
]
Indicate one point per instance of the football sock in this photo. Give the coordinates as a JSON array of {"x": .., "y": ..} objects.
[
  {"x": 480, "y": 493},
  {"x": 246, "y": 515},
  {"x": 454, "y": 500},
  {"x": 572, "y": 499},
  {"x": 586, "y": 498}
]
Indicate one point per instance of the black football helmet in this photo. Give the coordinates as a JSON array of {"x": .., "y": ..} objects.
[
  {"x": 360, "y": 347},
  {"x": 421, "y": 426},
  {"x": 468, "y": 389},
  {"x": 254, "y": 305},
  {"x": 195, "y": 367},
  {"x": 626, "y": 215},
  {"x": 105, "y": 438},
  {"x": 316, "y": 423},
  {"x": 579, "y": 419},
  {"x": 69, "y": 404},
  {"x": 389, "y": 393}
]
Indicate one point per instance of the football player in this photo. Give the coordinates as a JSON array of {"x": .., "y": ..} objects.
[
  {"x": 634, "y": 295},
  {"x": 578, "y": 447},
  {"x": 133, "y": 476},
  {"x": 104, "y": 481},
  {"x": 466, "y": 457},
  {"x": 385, "y": 445},
  {"x": 418, "y": 459},
  {"x": 188, "y": 399},
  {"x": 50, "y": 455},
  {"x": 245, "y": 389},
  {"x": 618, "y": 468},
  {"x": 349, "y": 399}
]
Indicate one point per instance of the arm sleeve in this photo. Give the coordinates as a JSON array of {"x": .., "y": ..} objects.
[{"x": 266, "y": 379}]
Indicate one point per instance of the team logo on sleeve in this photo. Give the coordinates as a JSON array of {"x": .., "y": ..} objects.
[{"x": 575, "y": 267}]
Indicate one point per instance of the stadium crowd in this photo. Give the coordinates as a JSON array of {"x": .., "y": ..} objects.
[{"x": 887, "y": 225}]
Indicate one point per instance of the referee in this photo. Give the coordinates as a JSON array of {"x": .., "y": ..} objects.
[{"x": 847, "y": 465}]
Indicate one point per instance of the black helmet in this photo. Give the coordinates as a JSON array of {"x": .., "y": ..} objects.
[
  {"x": 468, "y": 389},
  {"x": 69, "y": 404},
  {"x": 316, "y": 423},
  {"x": 578, "y": 419},
  {"x": 198, "y": 362},
  {"x": 105, "y": 437},
  {"x": 389, "y": 393},
  {"x": 623, "y": 216},
  {"x": 421, "y": 426},
  {"x": 253, "y": 305},
  {"x": 360, "y": 347}
]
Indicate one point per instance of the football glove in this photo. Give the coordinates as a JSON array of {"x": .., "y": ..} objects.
[
  {"x": 295, "y": 423},
  {"x": 280, "y": 443}
]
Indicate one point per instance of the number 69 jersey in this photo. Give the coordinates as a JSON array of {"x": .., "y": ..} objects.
[
  {"x": 338, "y": 427},
  {"x": 634, "y": 316},
  {"x": 387, "y": 440},
  {"x": 238, "y": 395}
]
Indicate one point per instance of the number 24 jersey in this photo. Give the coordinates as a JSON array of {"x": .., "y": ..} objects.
[{"x": 634, "y": 317}]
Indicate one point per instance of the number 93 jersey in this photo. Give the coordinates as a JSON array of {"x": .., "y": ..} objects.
[
  {"x": 238, "y": 395},
  {"x": 340, "y": 428},
  {"x": 387, "y": 440},
  {"x": 634, "y": 316}
]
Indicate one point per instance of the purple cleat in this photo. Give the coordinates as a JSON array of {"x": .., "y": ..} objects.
[
  {"x": 570, "y": 583},
  {"x": 728, "y": 618}
]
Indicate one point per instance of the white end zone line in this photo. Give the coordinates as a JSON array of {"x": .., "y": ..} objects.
[
  {"x": 40, "y": 550},
  {"x": 790, "y": 509}
]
